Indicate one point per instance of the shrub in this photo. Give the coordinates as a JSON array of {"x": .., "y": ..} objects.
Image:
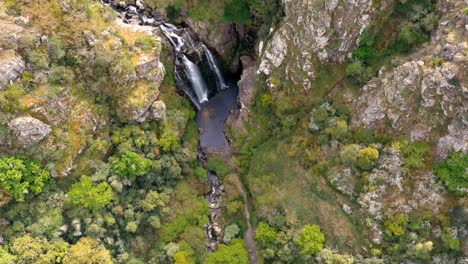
[
  {"x": 367, "y": 158},
  {"x": 348, "y": 154},
  {"x": 311, "y": 239},
  {"x": 266, "y": 234},
  {"x": 230, "y": 232},
  {"x": 132, "y": 165},
  {"x": 454, "y": 173},
  {"x": 85, "y": 193},
  {"x": 357, "y": 72},
  {"x": 396, "y": 225},
  {"x": 236, "y": 253},
  {"x": 9, "y": 99},
  {"x": 201, "y": 174},
  {"x": 218, "y": 166},
  {"x": 237, "y": 11},
  {"x": 413, "y": 153},
  {"x": 20, "y": 176},
  {"x": 146, "y": 42}
]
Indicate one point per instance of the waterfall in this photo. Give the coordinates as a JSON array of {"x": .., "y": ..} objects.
[
  {"x": 214, "y": 67},
  {"x": 196, "y": 79},
  {"x": 171, "y": 33}
]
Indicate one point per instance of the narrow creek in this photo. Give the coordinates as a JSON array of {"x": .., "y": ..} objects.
[{"x": 197, "y": 73}]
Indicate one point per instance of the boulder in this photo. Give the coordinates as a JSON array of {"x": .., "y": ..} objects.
[
  {"x": 12, "y": 67},
  {"x": 28, "y": 130},
  {"x": 158, "y": 111}
]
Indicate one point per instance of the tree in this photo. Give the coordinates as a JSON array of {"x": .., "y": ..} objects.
[
  {"x": 327, "y": 256},
  {"x": 453, "y": 172},
  {"x": 183, "y": 257},
  {"x": 87, "y": 251},
  {"x": 218, "y": 166},
  {"x": 266, "y": 234},
  {"x": 230, "y": 232},
  {"x": 311, "y": 239},
  {"x": 132, "y": 165},
  {"x": 154, "y": 200},
  {"x": 367, "y": 158},
  {"x": 6, "y": 257},
  {"x": 38, "y": 250},
  {"x": 88, "y": 195},
  {"x": 236, "y": 253},
  {"x": 20, "y": 176},
  {"x": 348, "y": 154}
]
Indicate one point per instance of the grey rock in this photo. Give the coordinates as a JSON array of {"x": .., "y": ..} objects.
[
  {"x": 455, "y": 140},
  {"x": 158, "y": 111},
  {"x": 12, "y": 67},
  {"x": 28, "y": 130}
]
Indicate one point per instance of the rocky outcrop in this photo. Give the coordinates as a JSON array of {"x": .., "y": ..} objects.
[
  {"x": 28, "y": 130},
  {"x": 158, "y": 111},
  {"x": 12, "y": 67},
  {"x": 246, "y": 92},
  {"x": 311, "y": 30},
  {"x": 420, "y": 97},
  {"x": 221, "y": 37}
]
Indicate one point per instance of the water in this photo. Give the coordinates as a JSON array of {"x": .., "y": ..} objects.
[
  {"x": 172, "y": 34},
  {"x": 215, "y": 68},
  {"x": 196, "y": 79}
]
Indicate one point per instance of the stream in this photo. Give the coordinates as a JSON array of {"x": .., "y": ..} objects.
[{"x": 198, "y": 74}]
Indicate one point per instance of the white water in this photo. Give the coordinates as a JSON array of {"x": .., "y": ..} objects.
[
  {"x": 171, "y": 33},
  {"x": 214, "y": 67},
  {"x": 196, "y": 79}
]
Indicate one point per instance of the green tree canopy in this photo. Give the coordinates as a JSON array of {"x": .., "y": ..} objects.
[
  {"x": 311, "y": 239},
  {"x": 85, "y": 193},
  {"x": 38, "y": 250},
  {"x": 266, "y": 234},
  {"x": 132, "y": 165},
  {"x": 88, "y": 251},
  {"x": 236, "y": 253},
  {"x": 20, "y": 176},
  {"x": 454, "y": 173}
]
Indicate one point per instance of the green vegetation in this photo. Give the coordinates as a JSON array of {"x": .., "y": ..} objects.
[
  {"x": 218, "y": 166},
  {"x": 409, "y": 26},
  {"x": 311, "y": 239},
  {"x": 413, "y": 154},
  {"x": 20, "y": 176},
  {"x": 90, "y": 196},
  {"x": 235, "y": 253},
  {"x": 367, "y": 158},
  {"x": 453, "y": 172},
  {"x": 131, "y": 165}
]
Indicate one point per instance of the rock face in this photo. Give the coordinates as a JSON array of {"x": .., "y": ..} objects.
[
  {"x": 246, "y": 92},
  {"x": 222, "y": 37},
  {"x": 323, "y": 30},
  {"x": 28, "y": 130},
  {"x": 158, "y": 111},
  {"x": 11, "y": 67},
  {"x": 420, "y": 97}
]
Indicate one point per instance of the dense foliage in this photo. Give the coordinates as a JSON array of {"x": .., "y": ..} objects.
[
  {"x": 20, "y": 176},
  {"x": 454, "y": 172}
]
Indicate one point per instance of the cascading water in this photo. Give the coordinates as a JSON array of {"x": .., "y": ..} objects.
[
  {"x": 194, "y": 75},
  {"x": 215, "y": 68},
  {"x": 212, "y": 113}
]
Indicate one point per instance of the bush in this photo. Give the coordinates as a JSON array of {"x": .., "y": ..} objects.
[
  {"x": 218, "y": 166},
  {"x": 201, "y": 174},
  {"x": 20, "y": 176},
  {"x": 132, "y": 165},
  {"x": 237, "y": 11},
  {"x": 236, "y": 253},
  {"x": 9, "y": 99},
  {"x": 367, "y": 158},
  {"x": 413, "y": 154},
  {"x": 90, "y": 196},
  {"x": 348, "y": 154},
  {"x": 357, "y": 72},
  {"x": 230, "y": 232},
  {"x": 146, "y": 42},
  {"x": 454, "y": 173},
  {"x": 266, "y": 234},
  {"x": 311, "y": 239}
]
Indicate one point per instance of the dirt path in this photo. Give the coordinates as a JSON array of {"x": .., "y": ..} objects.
[{"x": 250, "y": 233}]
